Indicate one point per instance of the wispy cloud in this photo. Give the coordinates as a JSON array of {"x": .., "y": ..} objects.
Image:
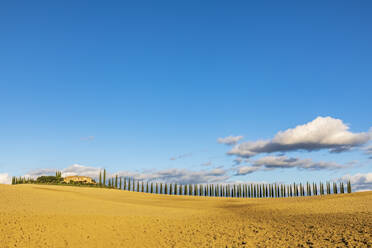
[
  {"x": 207, "y": 163},
  {"x": 230, "y": 140},
  {"x": 88, "y": 138},
  {"x": 185, "y": 155},
  {"x": 368, "y": 151},
  {"x": 289, "y": 162},
  {"x": 321, "y": 133},
  {"x": 283, "y": 162},
  {"x": 244, "y": 170}
]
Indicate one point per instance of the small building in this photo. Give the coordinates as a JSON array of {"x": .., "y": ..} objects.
[{"x": 79, "y": 179}]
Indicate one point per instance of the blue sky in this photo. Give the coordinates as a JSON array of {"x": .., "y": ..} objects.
[{"x": 128, "y": 86}]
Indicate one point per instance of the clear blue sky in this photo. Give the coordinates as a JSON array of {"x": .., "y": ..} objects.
[{"x": 151, "y": 80}]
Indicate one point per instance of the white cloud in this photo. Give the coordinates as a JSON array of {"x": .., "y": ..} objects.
[
  {"x": 244, "y": 170},
  {"x": 368, "y": 151},
  {"x": 230, "y": 140},
  {"x": 75, "y": 169},
  {"x": 81, "y": 170},
  {"x": 321, "y": 133},
  {"x": 287, "y": 162},
  {"x": 359, "y": 181},
  {"x": 5, "y": 178},
  {"x": 273, "y": 162},
  {"x": 181, "y": 176}
]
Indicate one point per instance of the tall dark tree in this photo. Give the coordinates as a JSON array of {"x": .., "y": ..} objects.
[
  {"x": 348, "y": 186},
  {"x": 104, "y": 177},
  {"x": 334, "y": 188},
  {"x": 321, "y": 188},
  {"x": 100, "y": 179}
]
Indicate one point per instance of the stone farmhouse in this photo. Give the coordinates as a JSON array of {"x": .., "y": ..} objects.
[{"x": 78, "y": 179}]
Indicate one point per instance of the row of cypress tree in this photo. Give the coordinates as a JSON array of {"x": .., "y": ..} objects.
[
  {"x": 213, "y": 190},
  {"x": 224, "y": 190}
]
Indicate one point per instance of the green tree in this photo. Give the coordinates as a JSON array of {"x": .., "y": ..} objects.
[
  {"x": 342, "y": 188},
  {"x": 348, "y": 186},
  {"x": 104, "y": 177}
]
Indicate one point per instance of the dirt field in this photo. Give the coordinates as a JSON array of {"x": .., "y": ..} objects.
[{"x": 62, "y": 216}]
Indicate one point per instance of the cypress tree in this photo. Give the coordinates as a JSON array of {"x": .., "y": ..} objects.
[
  {"x": 156, "y": 188},
  {"x": 295, "y": 189},
  {"x": 116, "y": 181},
  {"x": 321, "y": 188},
  {"x": 302, "y": 190},
  {"x": 341, "y": 188},
  {"x": 120, "y": 184},
  {"x": 129, "y": 186},
  {"x": 328, "y": 188},
  {"x": 147, "y": 187},
  {"x": 104, "y": 177},
  {"x": 109, "y": 183},
  {"x": 334, "y": 188},
  {"x": 348, "y": 186},
  {"x": 152, "y": 188},
  {"x": 100, "y": 179},
  {"x": 125, "y": 183}
]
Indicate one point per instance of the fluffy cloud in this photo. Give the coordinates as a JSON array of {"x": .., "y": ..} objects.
[
  {"x": 321, "y": 133},
  {"x": 359, "y": 182},
  {"x": 230, "y": 140},
  {"x": 287, "y": 162},
  {"x": 181, "y": 176},
  {"x": 5, "y": 178},
  {"x": 185, "y": 155},
  {"x": 77, "y": 169}
]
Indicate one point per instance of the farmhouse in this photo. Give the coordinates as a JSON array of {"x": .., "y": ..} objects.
[{"x": 78, "y": 179}]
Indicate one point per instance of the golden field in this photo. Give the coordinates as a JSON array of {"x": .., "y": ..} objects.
[{"x": 64, "y": 216}]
